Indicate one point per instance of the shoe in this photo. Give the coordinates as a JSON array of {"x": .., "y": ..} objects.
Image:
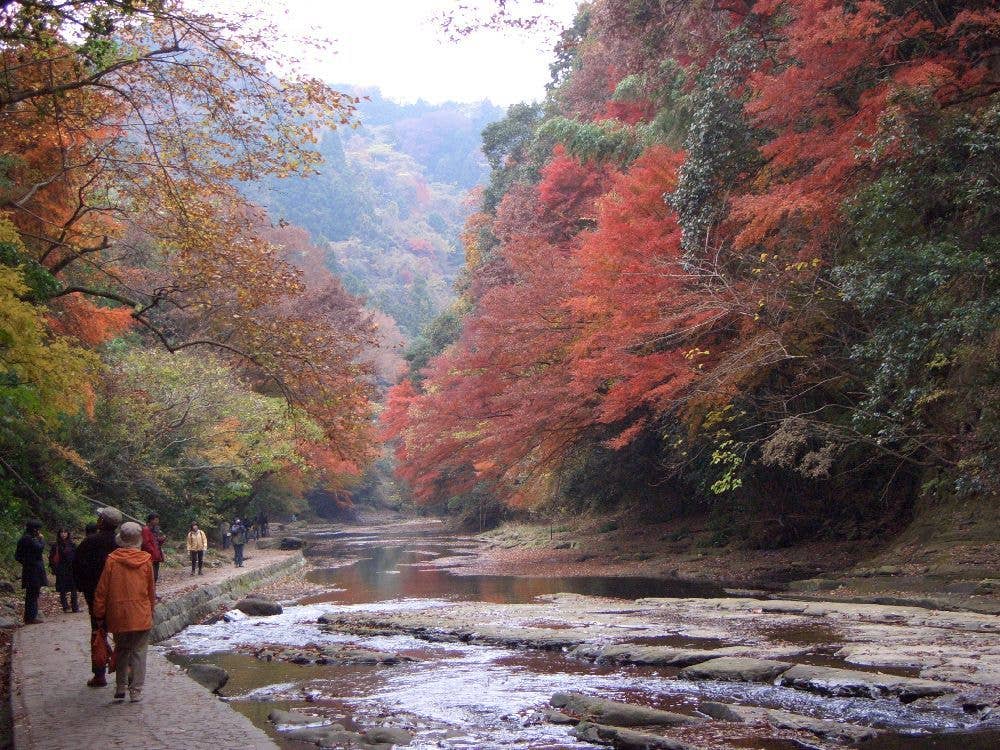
[
  {"x": 96, "y": 682},
  {"x": 119, "y": 698},
  {"x": 76, "y": 609},
  {"x": 135, "y": 696},
  {"x": 34, "y": 621}
]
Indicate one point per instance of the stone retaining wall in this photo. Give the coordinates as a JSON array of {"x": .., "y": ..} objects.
[{"x": 175, "y": 614}]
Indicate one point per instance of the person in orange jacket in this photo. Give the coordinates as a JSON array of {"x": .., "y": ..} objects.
[{"x": 124, "y": 601}]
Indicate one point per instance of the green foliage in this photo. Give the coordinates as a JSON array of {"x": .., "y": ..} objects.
[
  {"x": 439, "y": 334},
  {"x": 41, "y": 285},
  {"x": 181, "y": 434},
  {"x": 509, "y": 146},
  {"x": 922, "y": 269},
  {"x": 602, "y": 141},
  {"x": 720, "y": 145}
]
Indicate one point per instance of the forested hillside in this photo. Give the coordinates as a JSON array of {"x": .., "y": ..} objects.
[
  {"x": 743, "y": 260},
  {"x": 389, "y": 201}
]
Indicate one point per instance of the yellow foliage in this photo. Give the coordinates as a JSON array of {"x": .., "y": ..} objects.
[{"x": 56, "y": 375}]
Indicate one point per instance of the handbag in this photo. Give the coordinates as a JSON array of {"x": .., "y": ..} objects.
[{"x": 102, "y": 655}]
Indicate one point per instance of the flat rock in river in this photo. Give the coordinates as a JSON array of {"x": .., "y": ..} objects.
[
  {"x": 620, "y": 714},
  {"x": 209, "y": 675},
  {"x": 256, "y": 606},
  {"x": 670, "y": 656},
  {"x": 833, "y": 681},
  {"x": 626, "y": 739},
  {"x": 736, "y": 668},
  {"x": 277, "y": 716},
  {"x": 834, "y": 731},
  {"x": 388, "y": 735},
  {"x": 630, "y": 653}
]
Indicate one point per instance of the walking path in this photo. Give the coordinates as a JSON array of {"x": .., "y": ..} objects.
[{"x": 54, "y": 709}]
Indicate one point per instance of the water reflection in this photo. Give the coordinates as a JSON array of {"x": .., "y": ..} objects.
[{"x": 398, "y": 571}]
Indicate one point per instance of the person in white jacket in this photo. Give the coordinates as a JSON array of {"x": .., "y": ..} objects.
[{"x": 197, "y": 543}]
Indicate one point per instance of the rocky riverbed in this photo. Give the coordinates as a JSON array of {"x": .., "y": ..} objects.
[{"x": 387, "y": 647}]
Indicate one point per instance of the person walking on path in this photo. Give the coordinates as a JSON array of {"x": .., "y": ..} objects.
[
  {"x": 152, "y": 542},
  {"x": 124, "y": 601},
  {"x": 61, "y": 556},
  {"x": 87, "y": 568},
  {"x": 239, "y": 532},
  {"x": 29, "y": 552},
  {"x": 197, "y": 543}
]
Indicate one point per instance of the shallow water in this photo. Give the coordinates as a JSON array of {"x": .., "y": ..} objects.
[
  {"x": 458, "y": 695},
  {"x": 400, "y": 569}
]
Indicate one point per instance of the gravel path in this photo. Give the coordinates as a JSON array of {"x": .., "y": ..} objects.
[{"x": 54, "y": 709}]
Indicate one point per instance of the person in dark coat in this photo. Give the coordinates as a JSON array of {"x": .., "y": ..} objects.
[
  {"x": 87, "y": 568},
  {"x": 30, "y": 553},
  {"x": 61, "y": 555},
  {"x": 239, "y": 532}
]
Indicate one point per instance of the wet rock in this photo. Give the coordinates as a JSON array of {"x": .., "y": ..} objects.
[
  {"x": 258, "y": 607},
  {"x": 737, "y": 668},
  {"x": 388, "y": 736},
  {"x": 291, "y": 542},
  {"x": 208, "y": 675},
  {"x": 812, "y": 585},
  {"x": 8, "y": 617},
  {"x": 278, "y": 716},
  {"x": 619, "y": 714},
  {"x": 558, "y": 717},
  {"x": 487, "y": 635},
  {"x": 748, "y": 593},
  {"x": 846, "y": 682},
  {"x": 233, "y": 615},
  {"x": 834, "y": 731},
  {"x": 629, "y": 653},
  {"x": 344, "y": 653},
  {"x": 626, "y": 739},
  {"x": 328, "y": 736}
]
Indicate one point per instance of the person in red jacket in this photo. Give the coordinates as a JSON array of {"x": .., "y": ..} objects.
[
  {"x": 124, "y": 602},
  {"x": 152, "y": 542}
]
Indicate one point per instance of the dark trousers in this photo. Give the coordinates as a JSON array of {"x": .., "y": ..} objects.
[
  {"x": 197, "y": 557},
  {"x": 156, "y": 572},
  {"x": 73, "y": 601},
  {"x": 31, "y": 594},
  {"x": 98, "y": 671},
  {"x": 238, "y": 559}
]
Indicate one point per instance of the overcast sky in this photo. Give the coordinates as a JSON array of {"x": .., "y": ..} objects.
[{"x": 397, "y": 46}]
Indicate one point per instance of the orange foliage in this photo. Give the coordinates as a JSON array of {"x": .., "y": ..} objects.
[{"x": 75, "y": 315}]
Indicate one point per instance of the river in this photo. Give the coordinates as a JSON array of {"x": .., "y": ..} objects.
[{"x": 460, "y": 694}]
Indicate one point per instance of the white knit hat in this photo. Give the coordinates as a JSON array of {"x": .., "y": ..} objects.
[{"x": 129, "y": 535}]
